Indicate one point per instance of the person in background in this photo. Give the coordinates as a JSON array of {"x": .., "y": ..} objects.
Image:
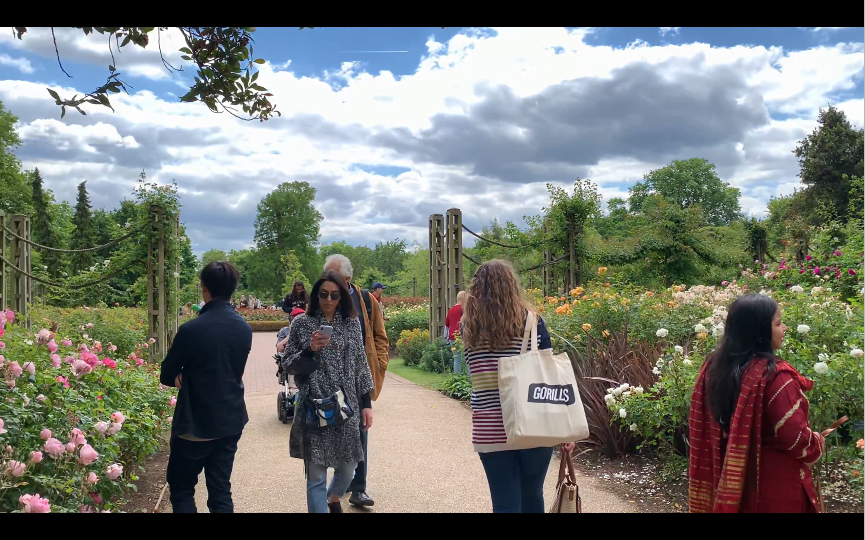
[
  {"x": 751, "y": 447},
  {"x": 452, "y": 323},
  {"x": 324, "y": 365},
  {"x": 297, "y": 298},
  {"x": 375, "y": 339},
  {"x": 493, "y": 326},
  {"x": 377, "y": 290},
  {"x": 206, "y": 363},
  {"x": 282, "y": 342}
]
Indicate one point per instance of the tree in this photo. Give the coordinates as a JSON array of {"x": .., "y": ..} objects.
[
  {"x": 688, "y": 183},
  {"x": 83, "y": 236},
  {"x": 15, "y": 189},
  {"x": 43, "y": 231},
  {"x": 828, "y": 159},
  {"x": 293, "y": 272},
  {"x": 566, "y": 218},
  {"x": 222, "y": 82},
  {"x": 389, "y": 257},
  {"x": 213, "y": 255}
]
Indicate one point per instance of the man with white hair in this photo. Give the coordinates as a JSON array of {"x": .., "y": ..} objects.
[{"x": 376, "y": 345}]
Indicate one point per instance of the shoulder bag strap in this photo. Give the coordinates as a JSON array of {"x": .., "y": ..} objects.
[{"x": 530, "y": 329}]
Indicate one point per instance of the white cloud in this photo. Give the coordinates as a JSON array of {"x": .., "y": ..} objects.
[
  {"x": 452, "y": 114},
  {"x": 21, "y": 64},
  {"x": 664, "y": 30}
]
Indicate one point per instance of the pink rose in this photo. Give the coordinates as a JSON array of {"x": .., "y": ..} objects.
[
  {"x": 2, "y": 345},
  {"x": 34, "y": 504},
  {"x": 52, "y": 347},
  {"x": 2, "y": 423},
  {"x": 10, "y": 315},
  {"x": 45, "y": 434},
  {"x": 53, "y": 447},
  {"x": 118, "y": 417},
  {"x": 36, "y": 457},
  {"x": 70, "y": 447},
  {"x": 87, "y": 455},
  {"x": 14, "y": 369},
  {"x": 55, "y": 360},
  {"x": 101, "y": 426},
  {"x": 43, "y": 336},
  {"x": 139, "y": 362},
  {"x": 97, "y": 346},
  {"x": 63, "y": 380},
  {"x": 85, "y": 509},
  {"x": 77, "y": 437},
  {"x": 173, "y": 401},
  {"x": 41, "y": 398},
  {"x": 851, "y": 271},
  {"x": 15, "y": 468},
  {"x": 80, "y": 367},
  {"x": 30, "y": 368},
  {"x": 816, "y": 269},
  {"x": 69, "y": 359},
  {"x": 170, "y": 419},
  {"x": 113, "y": 471},
  {"x": 109, "y": 362},
  {"x": 66, "y": 342},
  {"x": 113, "y": 428},
  {"x": 10, "y": 383},
  {"x": 89, "y": 325},
  {"x": 91, "y": 479},
  {"x": 95, "y": 497},
  {"x": 112, "y": 347}
]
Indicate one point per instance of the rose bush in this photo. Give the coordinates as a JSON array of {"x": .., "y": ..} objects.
[
  {"x": 408, "y": 317},
  {"x": 77, "y": 416}
]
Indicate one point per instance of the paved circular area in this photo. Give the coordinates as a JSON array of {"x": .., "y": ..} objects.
[{"x": 421, "y": 457}]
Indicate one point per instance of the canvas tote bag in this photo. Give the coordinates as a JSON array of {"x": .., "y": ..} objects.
[{"x": 541, "y": 404}]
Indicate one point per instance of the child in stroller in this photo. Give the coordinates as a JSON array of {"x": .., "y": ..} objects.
[{"x": 288, "y": 396}]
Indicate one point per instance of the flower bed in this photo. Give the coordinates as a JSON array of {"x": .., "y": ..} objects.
[
  {"x": 263, "y": 314},
  {"x": 408, "y": 317},
  {"x": 652, "y": 344},
  {"x": 77, "y": 416},
  {"x": 267, "y": 326},
  {"x": 403, "y": 301}
]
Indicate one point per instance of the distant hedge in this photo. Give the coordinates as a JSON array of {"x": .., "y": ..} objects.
[{"x": 267, "y": 326}]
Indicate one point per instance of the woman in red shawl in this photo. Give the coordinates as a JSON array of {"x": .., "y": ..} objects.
[{"x": 751, "y": 448}]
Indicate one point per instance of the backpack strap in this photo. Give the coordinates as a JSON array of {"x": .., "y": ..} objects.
[{"x": 366, "y": 299}]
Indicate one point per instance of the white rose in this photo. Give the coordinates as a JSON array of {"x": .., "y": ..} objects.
[
  {"x": 633, "y": 427},
  {"x": 624, "y": 386},
  {"x": 679, "y": 349},
  {"x": 638, "y": 390},
  {"x": 610, "y": 390},
  {"x": 857, "y": 353},
  {"x": 763, "y": 292},
  {"x": 699, "y": 328},
  {"x": 609, "y": 399},
  {"x": 662, "y": 332},
  {"x": 617, "y": 392},
  {"x": 803, "y": 329},
  {"x": 660, "y": 362},
  {"x": 626, "y": 393},
  {"x": 176, "y": 275},
  {"x": 623, "y": 413},
  {"x": 821, "y": 368},
  {"x": 797, "y": 289},
  {"x": 656, "y": 371},
  {"x": 687, "y": 362},
  {"x": 823, "y": 357},
  {"x": 718, "y": 330}
]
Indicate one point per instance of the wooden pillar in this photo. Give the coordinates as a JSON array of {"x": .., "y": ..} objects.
[
  {"x": 547, "y": 270},
  {"x": 4, "y": 273},
  {"x": 454, "y": 255},
  {"x": 16, "y": 287},
  {"x": 437, "y": 277}
]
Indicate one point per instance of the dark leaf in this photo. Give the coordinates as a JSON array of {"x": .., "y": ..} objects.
[
  {"x": 111, "y": 69},
  {"x": 259, "y": 60},
  {"x": 62, "y": 112},
  {"x": 54, "y": 95},
  {"x": 126, "y": 40}
]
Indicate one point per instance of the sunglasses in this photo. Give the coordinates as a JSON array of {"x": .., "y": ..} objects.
[{"x": 333, "y": 296}]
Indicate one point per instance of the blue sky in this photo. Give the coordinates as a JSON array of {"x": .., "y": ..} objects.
[{"x": 481, "y": 119}]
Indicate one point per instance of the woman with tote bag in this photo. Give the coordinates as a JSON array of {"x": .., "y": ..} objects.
[{"x": 493, "y": 327}]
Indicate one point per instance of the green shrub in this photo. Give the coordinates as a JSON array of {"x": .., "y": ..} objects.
[
  {"x": 458, "y": 386},
  {"x": 407, "y": 318},
  {"x": 410, "y": 345},
  {"x": 437, "y": 357},
  {"x": 116, "y": 403},
  {"x": 123, "y": 327}
]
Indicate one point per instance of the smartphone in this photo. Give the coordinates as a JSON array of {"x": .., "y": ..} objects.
[{"x": 326, "y": 331}]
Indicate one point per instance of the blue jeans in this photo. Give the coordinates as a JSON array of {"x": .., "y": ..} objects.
[
  {"x": 516, "y": 479},
  {"x": 458, "y": 357},
  {"x": 358, "y": 483},
  {"x": 317, "y": 492}
]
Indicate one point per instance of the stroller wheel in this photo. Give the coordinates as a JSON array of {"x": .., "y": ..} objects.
[{"x": 280, "y": 407}]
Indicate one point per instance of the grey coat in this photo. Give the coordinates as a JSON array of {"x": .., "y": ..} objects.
[{"x": 337, "y": 444}]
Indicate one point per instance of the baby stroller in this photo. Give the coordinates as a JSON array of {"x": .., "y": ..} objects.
[{"x": 287, "y": 398}]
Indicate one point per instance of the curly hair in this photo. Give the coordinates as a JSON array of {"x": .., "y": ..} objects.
[{"x": 495, "y": 311}]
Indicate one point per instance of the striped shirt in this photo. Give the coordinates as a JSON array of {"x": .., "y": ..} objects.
[{"x": 488, "y": 428}]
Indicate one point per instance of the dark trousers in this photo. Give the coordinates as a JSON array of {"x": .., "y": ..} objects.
[
  {"x": 358, "y": 484},
  {"x": 516, "y": 479},
  {"x": 185, "y": 463}
]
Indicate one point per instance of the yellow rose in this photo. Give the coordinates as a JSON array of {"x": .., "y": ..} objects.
[
  {"x": 605, "y": 333},
  {"x": 586, "y": 327}
]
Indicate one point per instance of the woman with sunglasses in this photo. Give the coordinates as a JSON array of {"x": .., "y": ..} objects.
[{"x": 325, "y": 367}]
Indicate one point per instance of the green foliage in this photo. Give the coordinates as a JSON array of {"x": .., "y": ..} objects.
[
  {"x": 293, "y": 272},
  {"x": 53, "y": 398},
  {"x": 437, "y": 357},
  {"x": 213, "y": 255},
  {"x": 406, "y": 318},
  {"x": 13, "y": 183},
  {"x": 689, "y": 183},
  {"x": 83, "y": 236},
  {"x": 458, "y": 386},
  {"x": 829, "y": 158},
  {"x": 42, "y": 227},
  {"x": 410, "y": 345},
  {"x": 223, "y": 56}
]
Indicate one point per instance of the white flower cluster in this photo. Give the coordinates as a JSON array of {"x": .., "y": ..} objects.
[{"x": 622, "y": 391}]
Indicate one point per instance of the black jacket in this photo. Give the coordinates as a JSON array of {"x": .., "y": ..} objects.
[{"x": 210, "y": 352}]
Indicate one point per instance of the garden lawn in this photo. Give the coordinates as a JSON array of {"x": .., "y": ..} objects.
[{"x": 416, "y": 375}]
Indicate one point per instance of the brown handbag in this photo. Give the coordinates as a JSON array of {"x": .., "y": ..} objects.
[{"x": 567, "y": 491}]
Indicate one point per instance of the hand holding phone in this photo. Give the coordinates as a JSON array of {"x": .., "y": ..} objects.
[{"x": 321, "y": 337}]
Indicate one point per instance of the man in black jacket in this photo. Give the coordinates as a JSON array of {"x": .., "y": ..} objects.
[{"x": 206, "y": 363}]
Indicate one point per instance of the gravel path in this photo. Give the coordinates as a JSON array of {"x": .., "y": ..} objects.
[{"x": 421, "y": 457}]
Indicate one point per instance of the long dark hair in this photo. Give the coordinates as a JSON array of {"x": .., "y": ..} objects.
[
  {"x": 747, "y": 335},
  {"x": 345, "y": 306},
  {"x": 298, "y": 295}
]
